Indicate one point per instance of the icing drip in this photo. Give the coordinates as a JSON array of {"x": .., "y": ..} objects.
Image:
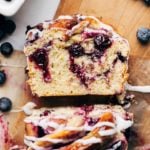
[
  {"x": 143, "y": 89},
  {"x": 122, "y": 124},
  {"x": 18, "y": 147},
  {"x": 107, "y": 132},
  {"x": 92, "y": 140},
  {"x": 33, "y": 35},
  {"x": 28, "y": 108},
  {"x": 32, "y": 145}
]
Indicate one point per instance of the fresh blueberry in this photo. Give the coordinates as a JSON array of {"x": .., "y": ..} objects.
[
  {"x": 102, "y": 42},
  {"x": 8, "y": 0},
  {"x": 2, "y": 34},
  {"x": 2, "y": 77},
  {"x": 147, "y": 2},
  {"x": 5, "y": 104},
  {"x": 2, "y": 19},
  {"x": 143, "y": 35},
  {"x": 6, "y": 49},
  {"x": 10, "y": 26},
  {"x": 76, "y": 50}
]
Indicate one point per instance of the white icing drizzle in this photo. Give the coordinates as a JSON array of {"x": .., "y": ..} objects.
[
  {"x": 43, "y": 123},
  {"x": 65, "y": 17},
  {"x": 143, "y": 89},
  {"x": 53, "y": 124},
  {"x": 88, "y": 30},
  {"x": 70, "y": 32},
  {"x": 114, "y": 147},
  {"x": 126, "y": 106},
  {"x": 105, "y": 123},
  {"x": 29, "y": 141},
  {"x": 17, "y": 147},
  {"x": 92, "y": 140},
  {"x": 119, "y": 125},
  {"x": 32, "y": 145},
  {"x": 122, "y": 124},
  {"x": 55, "y": 141},
  {"x": 107, "y": 132},
  {"x": 31, "y": 34},
  {"x": 28, "y": 108}
]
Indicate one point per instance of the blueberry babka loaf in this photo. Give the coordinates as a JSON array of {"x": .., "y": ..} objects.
[
  {"x": 78, "y": 128},
  {"x": 76, "y": 55}
]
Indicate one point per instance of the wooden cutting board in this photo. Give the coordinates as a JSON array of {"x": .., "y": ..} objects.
[{"x": 126, "y": 16}]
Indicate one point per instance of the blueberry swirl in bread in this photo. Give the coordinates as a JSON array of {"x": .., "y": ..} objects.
[{"x": 76, "y": 55}]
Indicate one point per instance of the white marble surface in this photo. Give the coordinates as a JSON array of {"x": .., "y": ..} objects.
[{"x": 31, "y": 13}]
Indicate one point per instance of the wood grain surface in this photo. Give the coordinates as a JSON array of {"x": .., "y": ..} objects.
[{"x": 126, "y": 16}]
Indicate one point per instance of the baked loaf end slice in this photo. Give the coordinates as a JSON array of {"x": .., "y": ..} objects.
[
  {"x": 76, "y": 55},
  {"x": 78, "y": 128}
]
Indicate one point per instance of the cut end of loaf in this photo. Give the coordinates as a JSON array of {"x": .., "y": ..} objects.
[{"x": 76, "y": 55}]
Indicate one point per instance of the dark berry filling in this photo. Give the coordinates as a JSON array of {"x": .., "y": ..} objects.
[
  {"x": 115, "y": 61},
  {"x": 40, "y": 132},
  {"x": 102, "y": 42},
  {"x": 92, "y": 121},
  {"x": 90, "y": 34},
  {"x": 40, "y": 58},
  {"x": 76, "y": 50},
  {"x": 70, "y": 24},
  {"x": 39, "y": 26},
  {"x": 96, "y": 55},
  {"x": 28, "y": 28},
  {"x": 121, "y": 58},
  {"x": 106, "y": 73},
  {"x": 45, "y": 113},
  {"x": 87, "y": 108},
  {"x": 80, "y": 72}
]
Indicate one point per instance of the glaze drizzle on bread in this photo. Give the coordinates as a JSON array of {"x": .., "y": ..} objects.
[{"x": 74, "y": 128}]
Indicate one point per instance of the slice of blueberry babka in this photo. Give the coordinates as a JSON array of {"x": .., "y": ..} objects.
[
  {"x": 76, "y": 55},
  {"x": 78, "y": 128}
]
